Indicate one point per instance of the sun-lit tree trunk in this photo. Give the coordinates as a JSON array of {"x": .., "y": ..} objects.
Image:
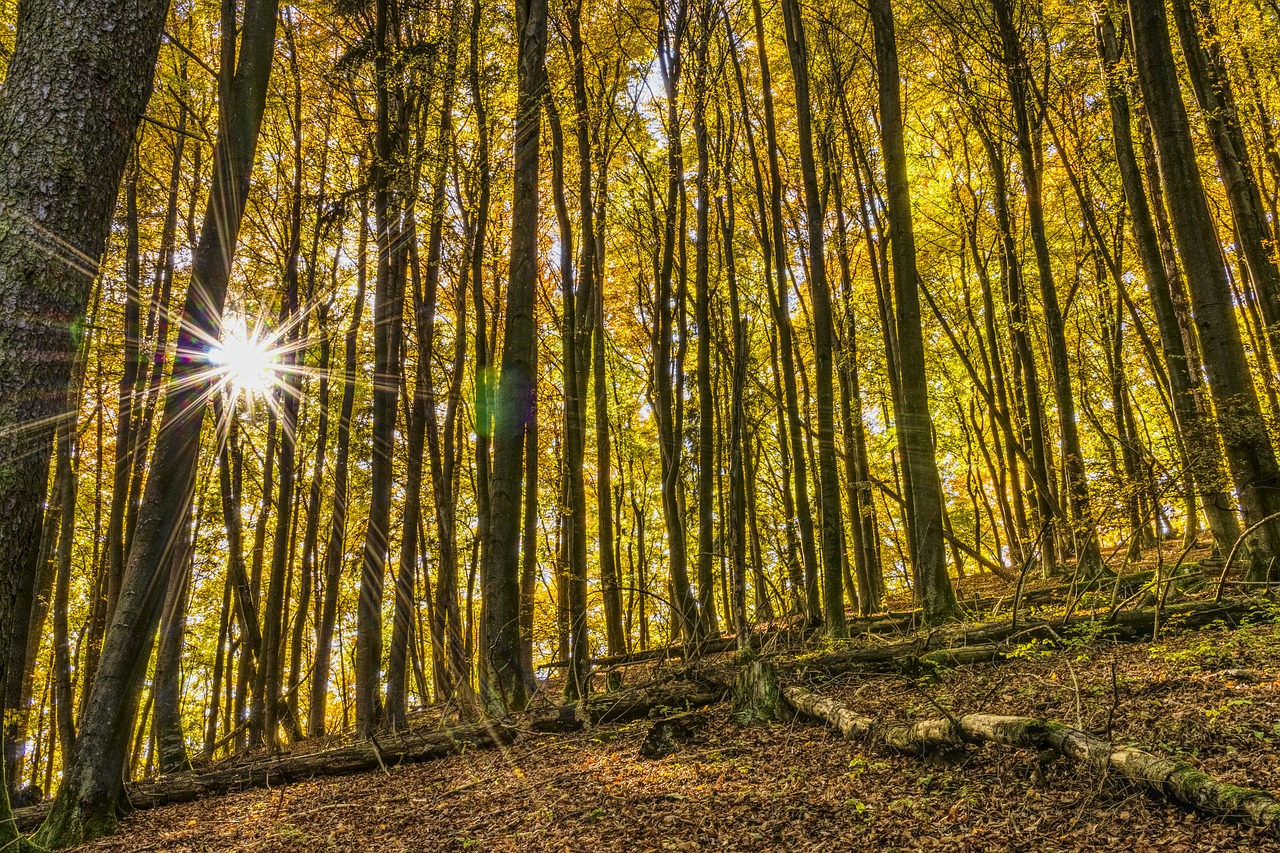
[
  {"x": 781, "y": 304},
  {"x": 503, "y": 679},
  {"x": 823, "y": 327},
  {"x": 170, "y": 745},
  {"x": 1202, "y": 52},
  {"x": 1199, "y": 439},
  {"x": 1017, "y": 74},
  {"x": 933, "y": 590},
  {"x": 1248, "y": 447},
  {"x": 335, "y": 547}
]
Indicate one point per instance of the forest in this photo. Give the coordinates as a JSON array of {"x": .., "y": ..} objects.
[{"x": 387, "y": 381}]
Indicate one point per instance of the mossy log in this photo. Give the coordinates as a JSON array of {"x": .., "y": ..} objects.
[
  {"x": 384, "y": 751},
  {"x": 835, "y": 713},
  {"x": 964, "y": 645},
  {"x": 625, "y": 705},
  {"x": 1177, "y": 780}
]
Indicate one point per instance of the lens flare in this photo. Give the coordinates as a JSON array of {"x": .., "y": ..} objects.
[{"x": 247, "y": 362}]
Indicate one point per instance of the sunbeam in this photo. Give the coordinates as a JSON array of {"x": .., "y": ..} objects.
[{"x": 246, "y": 361}]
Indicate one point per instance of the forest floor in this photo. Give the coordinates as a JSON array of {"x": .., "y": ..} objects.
[{"x": 1210, "y": 697}]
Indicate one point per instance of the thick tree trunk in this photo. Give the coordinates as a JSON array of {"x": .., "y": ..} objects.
[
  {"x": 91, "y": 787},
  {"x": 76, "y": 87},
  {"x": 1199, "y": 440},
  {"x": 1249, "y": 451}
]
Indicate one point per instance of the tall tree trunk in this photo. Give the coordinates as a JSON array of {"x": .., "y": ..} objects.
[
  {"x": 503, "y": 680},
  {"x": 1249, "y": 452},
  {"x": 932, "y": 585},
  {"x": 672, "y": 26},
  {"x": 1018, "y": 80},
  {"x": 89, "y": 795},
  {"x": 335, "y": 545},
  {"x": 823, "y": 328},
  {"x": 779, "y": 302},
  {"x": 271, "y": 672},
  {"x": 573, "y": 529},
  {"x": 1199, "y": 440},
  {"x": 1202, "y": 50},
  {"x": 708, "y": 471},
  {"x": 388, "y": 309}
]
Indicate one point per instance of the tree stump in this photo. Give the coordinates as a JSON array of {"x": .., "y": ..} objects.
[
  {"x": 669, "y": 736},
  {"x": 755, "y": 694}
]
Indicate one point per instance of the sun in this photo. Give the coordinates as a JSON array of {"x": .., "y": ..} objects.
[{"x": 245, "y": 361}]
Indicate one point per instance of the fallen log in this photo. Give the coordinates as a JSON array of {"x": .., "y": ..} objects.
[
  {"x": 382, "y": 751},
  {"x": 983, "y": 644},
  {"x": 1176, "y": 780},
  {"x": 824, "y": 708},
  {"x": 636, "y": 704}
]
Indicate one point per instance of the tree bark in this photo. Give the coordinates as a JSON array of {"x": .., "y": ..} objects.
[
  {"x": 503, "y": 680},
  {"x": 76, "y": 87},
  {"x": 91, "y": 787},
  {"x": 933, "y": 590}
]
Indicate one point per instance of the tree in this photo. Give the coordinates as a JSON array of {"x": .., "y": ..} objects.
[
  {"x": 503, "y": 681},
  {"x": 932, "y": 586},
  {"x": 74, "y": 93},
  {"x": 1249, "y": 451},
  {"x": 88, "y": 798}
]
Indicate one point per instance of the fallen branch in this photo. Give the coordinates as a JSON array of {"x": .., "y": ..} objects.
[{"x": 624, "y": 706}]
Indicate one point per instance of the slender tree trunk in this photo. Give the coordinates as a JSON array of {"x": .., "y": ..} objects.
[
  {"x": 388, "y": 307},
  {"x": 1017, "y": 73},
  {"x": 823, "y": 328},
  {"x": 335, "y": 545},
  {"x": 171, "y": 747},
  {"x": 933, "y": 590},
  {"x": 779, "y": 302}
]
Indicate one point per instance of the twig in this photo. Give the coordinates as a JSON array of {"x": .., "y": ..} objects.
[{"x": 1226, "y": 567}]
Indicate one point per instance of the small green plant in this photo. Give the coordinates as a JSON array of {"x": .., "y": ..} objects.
[{"x": 1032, "y": 649}]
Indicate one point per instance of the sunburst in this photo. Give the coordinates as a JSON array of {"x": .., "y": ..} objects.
[{"x": 247, "y": 361}]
